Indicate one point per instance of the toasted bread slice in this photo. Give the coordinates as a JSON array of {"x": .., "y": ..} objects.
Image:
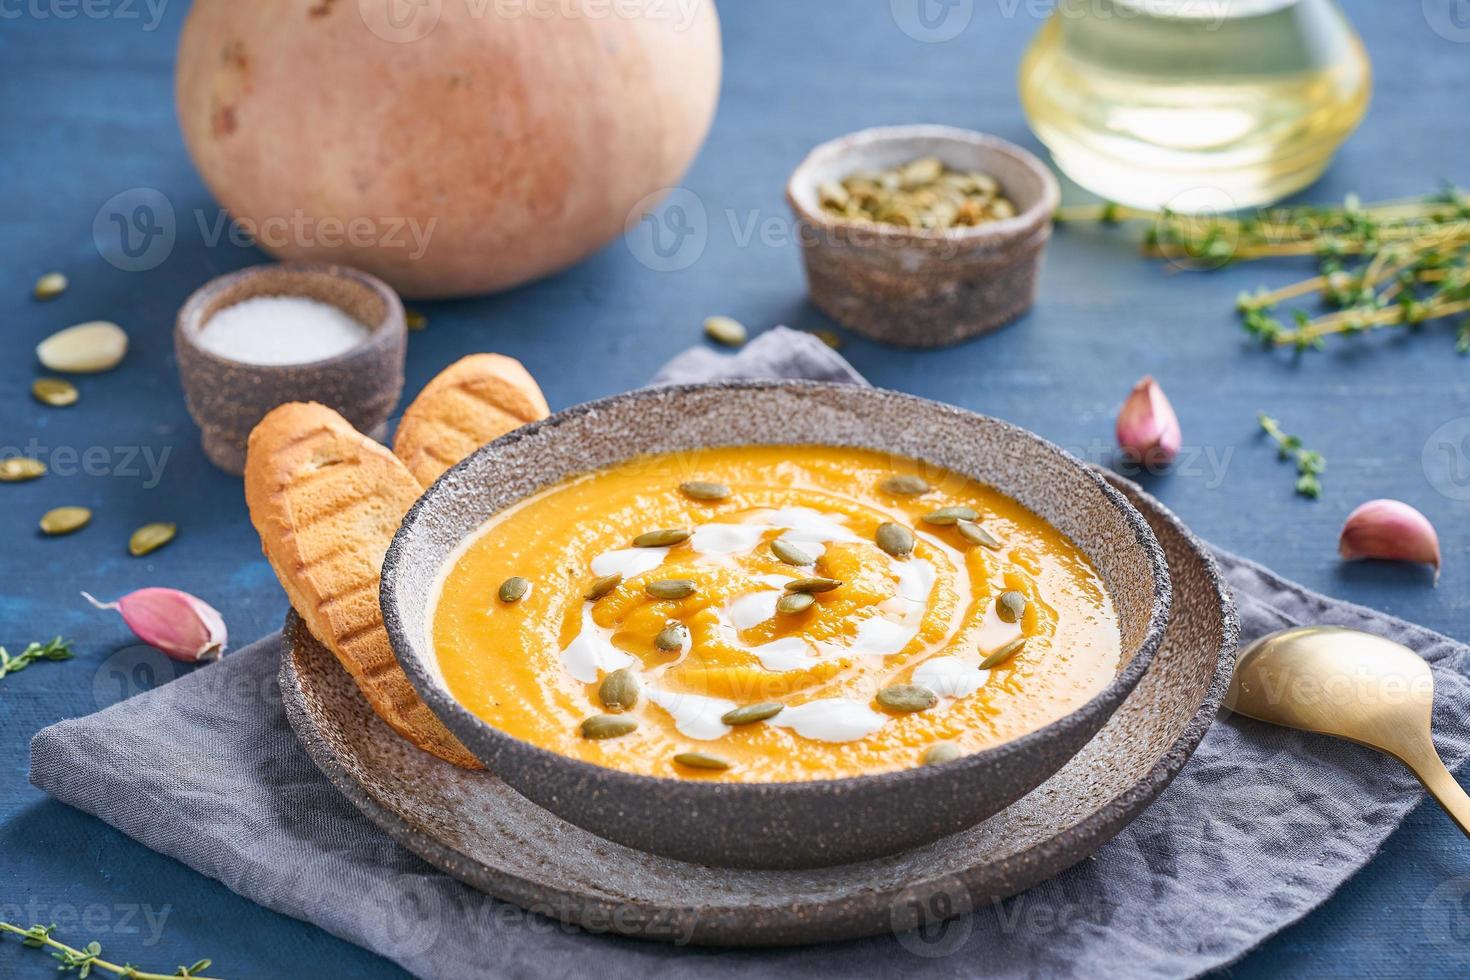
[
  {"x": 327, "y": 501},
  {"x": 475, "y": 400}
]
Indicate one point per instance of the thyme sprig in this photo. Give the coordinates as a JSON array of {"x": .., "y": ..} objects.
[
  {"x": 57, "y": 649},
  {"x": 1310, "y": 465},
  {"x": 1396, "y": 264},
  {"x": 83, "y": 961}
]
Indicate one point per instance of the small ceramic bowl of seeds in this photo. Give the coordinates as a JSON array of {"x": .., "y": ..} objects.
[{"x": 922, "y": 236}]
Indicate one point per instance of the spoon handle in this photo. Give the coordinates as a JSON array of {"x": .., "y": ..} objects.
[{"x": 1436, "y": 778}]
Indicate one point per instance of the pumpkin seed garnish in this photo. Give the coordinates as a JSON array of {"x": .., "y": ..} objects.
[
  {"x": 975, "y": 534},
  {"x": 749, "y": 714},
  {"x": 813, "y": 585},
  {"x": 702, "y": 490},
  {"x": 55, "y": 392},
  {"x": 415, "y": 321},
  {"x": 65, "y": 520},
  {"x": 666, "y": 538},
  {"x": 671, "y": 588},
  {"x": 671, "y": 638},
  {"x": 619, "y": 690},
  {"x": 905, "y": 485},
  {"x": 790, "y": 553},
  {"x": 600, "y": 727},
  {"x": 907, "y": 698},
  {"x": 795, "y": 602},
  {"x": 725, "y": 330},
  {"x": 150, "y": 537},
  {"x": 895, "y": 539},
  {"x": 941, "y": 752},
  {"x": 514, "y": 589},
  {"x": 50, "y": 286},
  {"x": 829, "y": 337},
  {"x": 1003, "y": 654},
  {"x": 950, "y": 516},
  {"x": 602, "y": 586},
  {"x": 701, "y": 760},
  {"x": 1010, "y": 607},
  {"x": 17, "y": 469}
]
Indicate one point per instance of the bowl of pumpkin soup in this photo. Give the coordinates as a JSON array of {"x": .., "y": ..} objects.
[{"x": 773, "y": 624}]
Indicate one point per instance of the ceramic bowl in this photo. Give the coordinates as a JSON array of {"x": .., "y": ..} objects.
[
  {"x": 787, "y": 824},
  {"x": 915, "y": 287},
  {"x": 227, "y": 397}
]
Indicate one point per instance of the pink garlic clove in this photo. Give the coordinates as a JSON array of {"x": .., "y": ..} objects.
[
  {"x": 187, "y": 629},
  {"x": 1391, "y": 530},
  {"x": 1148, "y": 429}
]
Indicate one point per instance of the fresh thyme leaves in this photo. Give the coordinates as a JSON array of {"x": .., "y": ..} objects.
[
  {"x": 1309, "y": 465},
  {"x": 83, "y": 961},
  {"x": 57, "y": 649},
  {"x": 1398, "y": 264}
]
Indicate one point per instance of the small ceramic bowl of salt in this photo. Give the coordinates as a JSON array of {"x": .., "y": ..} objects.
[{"x": 272, "y": 334}]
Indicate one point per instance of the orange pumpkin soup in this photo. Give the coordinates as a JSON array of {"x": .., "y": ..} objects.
[{"x": 771, "y": 613}]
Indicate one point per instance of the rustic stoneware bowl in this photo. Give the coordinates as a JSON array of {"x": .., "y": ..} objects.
[
  {"x": 913, "y": 287},
  {"x": 788, "y": 824},
  {"x": 227, "y": 398}
]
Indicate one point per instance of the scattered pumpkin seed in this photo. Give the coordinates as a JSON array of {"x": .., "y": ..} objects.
[
  {"x": 941, "y": 752},
  {"x": 790, "y": 553},
  {"x": 950, "y": 516},
  {"x": 701, "y": 760},
  {"x": 661, "y": 539},
  {"x": 829, "y": 337},
  {"x": 65, "y": 520},
  {"x": 514, "y": 589},
  {"x": 671, "y": 638},
  {"x": 671, "y": 588},
  {"x": 55, "y": 392},
  {"x": 602, "y": 586},
  {"x": 150, "y": 537},
  {"x": 416, "y": 321},
  {"x": 600, "y": 727},
  {"x": 895, "y": 539},
  {"x": 725, "y": 330},
  {"x": 50, "y": 286},
  {"x": 1011, "y": 606},
  {"x": 813, "y": 585},
  {"x": 907, "y": 698},
  {"x": 1003, "y": 654},
  {"x": 795, "y": 602},
  {"x": 87, "y": 348},
  {"x": 701, "y": 490},
  {"x": 18, "y": 469},
  {"x": 975, "y": 534},
  {"x": 619, "y": 690},
  {"x": 905, "y": 485},
  {"x": 749, "y": 714}
]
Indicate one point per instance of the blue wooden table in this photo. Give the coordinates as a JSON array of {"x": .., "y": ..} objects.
[{"x": 87, "y": 115}]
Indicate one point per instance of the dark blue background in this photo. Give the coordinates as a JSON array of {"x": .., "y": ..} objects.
[{"x": 87, "y": 113}]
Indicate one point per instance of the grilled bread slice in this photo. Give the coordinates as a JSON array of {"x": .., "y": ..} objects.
[
  {"x": 326, "y": 501},
  {"x": 475, "y": 400}
]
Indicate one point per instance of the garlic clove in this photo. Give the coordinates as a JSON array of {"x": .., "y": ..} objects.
[
  {"x": 184, "y": 627},
  {"x": 87, "y": 348},
  {"x": 1148, "y": 429},
  {"x": 1390, "y": 530}
]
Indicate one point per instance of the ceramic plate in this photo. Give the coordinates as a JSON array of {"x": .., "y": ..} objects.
[{"x": 477, "y": 829}]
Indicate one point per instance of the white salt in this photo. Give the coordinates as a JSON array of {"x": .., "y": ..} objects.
[{"x": 281, "y": 330}]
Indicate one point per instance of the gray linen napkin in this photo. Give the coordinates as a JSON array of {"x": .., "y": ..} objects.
[{"x": 1261, "y": 826}]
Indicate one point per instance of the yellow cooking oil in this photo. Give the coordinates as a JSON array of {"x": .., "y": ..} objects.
[{"x": 1194, "y": 104}]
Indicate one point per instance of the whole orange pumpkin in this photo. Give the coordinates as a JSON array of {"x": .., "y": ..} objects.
[{"x": 452, "y": 147}]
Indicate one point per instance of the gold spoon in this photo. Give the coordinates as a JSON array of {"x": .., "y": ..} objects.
[{"x": 1353, "y": 685}]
